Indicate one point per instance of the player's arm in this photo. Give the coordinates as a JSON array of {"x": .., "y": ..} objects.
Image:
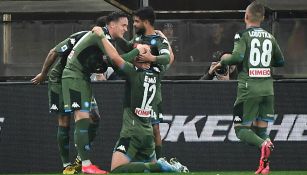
[
  {"x": 52, "y": 56},
  {"x": 164, "y": 54},
  {"x": 278, "y": 58},
  {"x": 172, "y": 56},
  {"x": 237, "y": 54},
  {"x": 123, "y": 44},
  {"x": 108, "y": 48},
  {"x": 50, "y": 59}
]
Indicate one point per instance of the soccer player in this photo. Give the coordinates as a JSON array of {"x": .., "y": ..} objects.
[
  {"x": 136, "y": 143},
  {"x": 255, "y": 52},
  {"x": 58, "y": 56},
  {"x": 76, "y": 88},
  {"x": 161, "y": 54},
  {"x": 117, "y": 26}
]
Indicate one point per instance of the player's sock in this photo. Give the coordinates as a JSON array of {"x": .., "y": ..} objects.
[
  {"x": 81, "y": 138},
  {"x": 158, "y": 150},
  {"x": 63, "y": 144},
  {"x": 137, "y": 167},
  {"x": 261, "y": 132},
  {"x": 246, "y": 135},
  {"x": 92, "y": 131}
]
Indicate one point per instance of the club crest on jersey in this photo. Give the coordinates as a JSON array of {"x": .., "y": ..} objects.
[
  {"x": 86, "y": 104},
  {"x": 153, "y": 42}
]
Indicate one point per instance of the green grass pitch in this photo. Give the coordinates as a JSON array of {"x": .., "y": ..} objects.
[{"x": 209, "y": 173}]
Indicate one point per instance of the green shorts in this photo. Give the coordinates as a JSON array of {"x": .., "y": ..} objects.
[
  {"x": 157, "y": 117},
  {"x": 256, "y": 108},
  {"x": 136, "y": 149},
  {"x": 136, "y": 139},
  {"x": 77, "y": 94},
  {"x": 56, "y": 104}
]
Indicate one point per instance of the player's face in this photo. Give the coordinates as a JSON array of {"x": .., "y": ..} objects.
[
  {"x": 120, "y": 27},
  {"x": 138, "y": 24}
]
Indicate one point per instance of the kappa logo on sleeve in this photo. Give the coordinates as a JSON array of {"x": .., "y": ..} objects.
[{"x": 237, "y": 36}]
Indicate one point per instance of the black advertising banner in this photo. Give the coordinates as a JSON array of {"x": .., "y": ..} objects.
[{"x": 197, "y": 127}]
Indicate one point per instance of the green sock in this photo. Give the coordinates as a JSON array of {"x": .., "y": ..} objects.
[
  {"x": 246, "y": 135},
  {"x": 158, "y": 150},
  {"x": 92, "y": 131},
  {"x": 63, "y": 143},
  {"x": 261, "y": 132},
  {"x": 137, "y": 167},
  {"x": 81, "y": 138}
]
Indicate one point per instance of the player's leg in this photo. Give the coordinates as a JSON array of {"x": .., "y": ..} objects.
[
  {"x": 131, "y": 149},
  {"x": 156, "y": 130},
  {"x": 92, "y": 131},
  {"x": 158, "y": 140},
  {"x": 95, "y": 119},
  {"x": 77, "y": 97},
  {"x": 56, "y": 107},
  {"x": 244, "y": 114},
  {"x": 266, "y": 115}
]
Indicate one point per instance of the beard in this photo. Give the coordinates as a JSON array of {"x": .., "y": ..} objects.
[{"x": 140, "y": 31}]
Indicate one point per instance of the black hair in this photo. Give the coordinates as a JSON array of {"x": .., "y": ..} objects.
[
  {"x": 114, "y": 16},
  {"x": 146, "y": 13},
  {"x": 101, "y": 21}
]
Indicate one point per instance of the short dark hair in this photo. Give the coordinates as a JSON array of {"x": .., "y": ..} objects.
[
  {"x": 101, "y": 21},
  {"x": 114, "y": 16},
  {"x": 257, "y": 11},
  {"x": 146, "y": 13}
]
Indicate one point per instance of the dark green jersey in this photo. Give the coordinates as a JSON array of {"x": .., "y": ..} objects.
[
  {"x": 255, "y": 53},
  {"x": 85, "y": 58},
  {"x": 141, "y": 90},
  {"x": 141, "y": 87},
  {"x": 63, "y": 49},
  {"x": 159, "y": 46}
]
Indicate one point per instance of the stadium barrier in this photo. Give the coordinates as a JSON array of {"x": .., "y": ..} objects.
[{"x": 197, "y": 126}]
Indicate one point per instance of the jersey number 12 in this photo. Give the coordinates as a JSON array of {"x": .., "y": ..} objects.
[{"x": 146, "y": 103}]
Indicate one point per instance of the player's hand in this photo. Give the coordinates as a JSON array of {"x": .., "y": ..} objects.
[
  {"x": 143, "y": 48},
  {"x": 160, "y": 33},
  {"x": 147, "y": 57},
  {"x": 39, "y": 78},
  {"x": 98, "y": 31}
]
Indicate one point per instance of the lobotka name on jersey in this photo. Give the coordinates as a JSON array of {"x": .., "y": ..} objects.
[{"x": 259, "y": 34}]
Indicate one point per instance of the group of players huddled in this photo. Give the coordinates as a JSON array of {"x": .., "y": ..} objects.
[{"x": 148, "y": 56}]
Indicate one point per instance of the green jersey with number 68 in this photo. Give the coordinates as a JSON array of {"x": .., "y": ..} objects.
[{"x": 255, "y": 53}]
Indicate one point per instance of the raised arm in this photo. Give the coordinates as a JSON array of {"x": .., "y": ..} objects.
[{"x": 112, "y": 52}]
